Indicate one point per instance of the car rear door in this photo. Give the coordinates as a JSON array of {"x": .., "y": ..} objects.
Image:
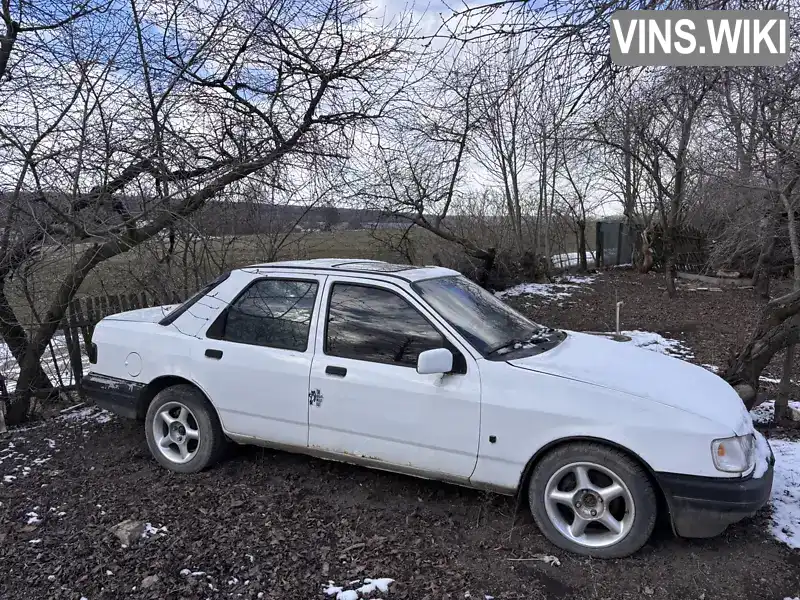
[
  {"x": 255, "y": 358},
  {"x": 367, "y": 399}
]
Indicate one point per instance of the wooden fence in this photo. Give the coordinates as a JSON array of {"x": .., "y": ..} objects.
[
  {"x": 78, "y": 325},
  {"x": 84, "y": 313},
  {"x": 689, "y": 246}
]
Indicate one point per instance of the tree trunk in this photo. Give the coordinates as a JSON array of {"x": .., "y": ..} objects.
[
  {"x": 761, "y": 272},
  {"x": 668, "y": 256},
  {"x": 584, "y": 266},
  {"x": 488, "y": 265},
  {"x": 629, "y": 204},
  {"x": 32, "y": 377},
  {"x": 782, "y": 400},
  {"x": 776, "y": 330},
  {"x": 544, "y": 223}
]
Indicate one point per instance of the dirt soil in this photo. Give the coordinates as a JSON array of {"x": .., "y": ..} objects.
[{"x": 273, "y": 525}]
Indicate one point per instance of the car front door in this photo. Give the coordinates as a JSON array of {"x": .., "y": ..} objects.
[
  {"x": 256, "y": 357},
  {"x": 367, "y": 399}
]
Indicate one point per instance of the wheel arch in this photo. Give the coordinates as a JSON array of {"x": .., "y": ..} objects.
[
  {"x": 161, "y": 383},
  {"x": 522, "y": 487}
]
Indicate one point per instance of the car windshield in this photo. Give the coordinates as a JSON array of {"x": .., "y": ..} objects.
[{"x": 485, "y": 322}]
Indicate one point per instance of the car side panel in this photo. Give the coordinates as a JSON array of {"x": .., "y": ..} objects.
[
  {"x": 161, "y": 351},
  {"x": 526, "y": 411},
  {"x": 261, "y": 393},
  {"x": 144, "y": 351},
  {"x": 391, "y": 414}
]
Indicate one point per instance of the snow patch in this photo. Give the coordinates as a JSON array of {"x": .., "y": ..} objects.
[
  {"x": 571, "y": 259},
  {"x": 564, "y": 288},
  {"x": 658, "y": 343},
  {"x": 150, "y": 530},
  {"x": 764, "y": 412},
  {"x": 786, "y": 492},
  {"x": 369, "y": 586},
  {"x": 548, "y": 559},
  {"x": 88, "y": 414},
  {"x": 33, "y": 518},
  {"x": 762, "y": 456}
]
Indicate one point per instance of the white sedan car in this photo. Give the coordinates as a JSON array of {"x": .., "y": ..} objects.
[{"x": 420, "y": 371}]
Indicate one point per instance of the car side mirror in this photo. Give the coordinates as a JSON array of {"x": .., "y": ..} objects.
[{"x": 438, "y": 360}]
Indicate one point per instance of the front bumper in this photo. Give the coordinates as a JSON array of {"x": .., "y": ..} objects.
[
  {"x": 120, "y": 396},
  {"x": 703, "y": 507}
]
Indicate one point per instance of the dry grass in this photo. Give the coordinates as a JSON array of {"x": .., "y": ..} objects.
[{"x": 150, "y": 268}]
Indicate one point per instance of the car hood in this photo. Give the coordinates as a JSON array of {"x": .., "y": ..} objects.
[
  {"x": 143, "y": 315},
  {"x": 621, "y": 366}
]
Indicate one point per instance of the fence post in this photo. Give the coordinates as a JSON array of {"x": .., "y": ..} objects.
[
  {"x": 114, "y": 304},
  {"x": 74, "y": 345},
  {"x": 3, "y": 404},
  {"x": 90, "y": 318},
  {"x": 83, "y": 323}
]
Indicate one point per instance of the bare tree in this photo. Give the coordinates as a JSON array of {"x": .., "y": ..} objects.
[
  {"x": 583, "y": 196},
  {"x": 149, "y": 112},
  {"x": 421, "y": 159},
  {"x": 664, "y": 139},
  {"x": 502, "y": 145},
  {"x": 780, "y": 165}
]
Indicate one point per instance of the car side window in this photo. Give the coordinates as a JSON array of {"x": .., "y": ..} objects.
[
  {"x": 271, "y": 312},
  {"x": 376, "y": 325}
]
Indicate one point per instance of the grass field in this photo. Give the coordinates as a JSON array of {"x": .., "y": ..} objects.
[{"x": 150, "y": 268}]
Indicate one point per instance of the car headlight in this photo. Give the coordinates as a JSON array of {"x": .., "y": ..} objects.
[{"x": 734, "y": 454}]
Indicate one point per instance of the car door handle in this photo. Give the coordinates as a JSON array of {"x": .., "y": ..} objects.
[
  {"x": 340, "y": 371},
  {"x": 211, "y": 353}
]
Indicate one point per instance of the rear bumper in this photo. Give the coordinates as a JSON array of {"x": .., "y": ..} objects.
[
  {"x": 120, "y": 396},
  {"x": 704, "y": 506}
]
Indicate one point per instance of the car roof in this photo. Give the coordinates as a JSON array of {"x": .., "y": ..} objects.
[{"x": 358, "y": 266}]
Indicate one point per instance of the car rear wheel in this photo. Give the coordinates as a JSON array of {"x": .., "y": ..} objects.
[
  {"x": 592, "y": 500},
  {"x": 183, "y": 431}
]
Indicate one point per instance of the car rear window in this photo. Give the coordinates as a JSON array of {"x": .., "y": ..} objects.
[{"x": 186, "y": 305}]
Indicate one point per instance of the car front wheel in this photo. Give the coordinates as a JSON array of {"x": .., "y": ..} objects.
[
  {"x": 592, "y": 500},
  {"x": 183, "y": 431}
]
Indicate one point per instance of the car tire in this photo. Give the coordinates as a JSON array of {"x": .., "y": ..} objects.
[
  {"x": 592, "y": 500},
  {"x": 183, "y": 431}
]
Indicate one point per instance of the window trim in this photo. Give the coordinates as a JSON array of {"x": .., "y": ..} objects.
[
  {"x": 459, "y": 360},
  {"x": 211, "y": 334}
]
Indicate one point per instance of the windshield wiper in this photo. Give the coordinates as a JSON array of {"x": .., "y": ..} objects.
[
  {"x": 510, "y": 343},
  {"x": 537, "y": 337}
]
